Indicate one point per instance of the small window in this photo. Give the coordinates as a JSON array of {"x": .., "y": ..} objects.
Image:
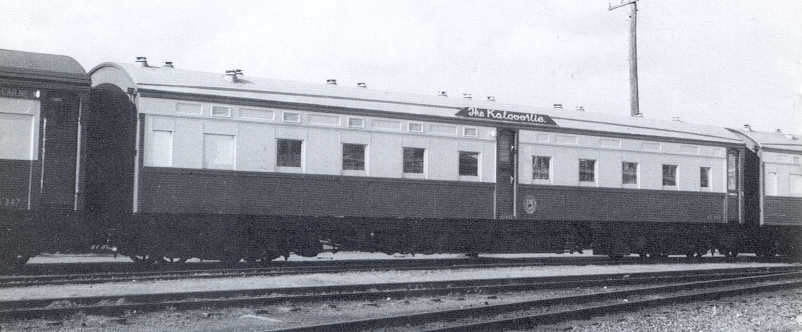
[
  {"x": 468, "y": 163},
  {"x": 629, "y": 173},
  {"x": 587, "y": 170},
  {"x": 704, "y": 177},
  {"x": 218, "y": 151},
  {"x": 354, "y": 157},
  {"x": 470, "y": 132},
  {"x": 288, "y": 152},
  {"x": 413, "y": 160},
  {"x": 669, "y": 175},
  {"x": 221, "y": 111},
  {"x": 415, "y": 127},
  {"x": 293, "y": 117},
  {"x": 541, "y": 167},
  {"x": 161, "y": 148},
  {"x": 356, "y": 123},
  {"x": 732, "y": 170}
]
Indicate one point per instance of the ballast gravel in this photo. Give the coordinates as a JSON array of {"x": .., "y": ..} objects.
[{"x": 774, "y": 311}]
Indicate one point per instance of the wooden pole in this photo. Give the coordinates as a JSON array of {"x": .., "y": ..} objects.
[{"x": 633, "y": 61}]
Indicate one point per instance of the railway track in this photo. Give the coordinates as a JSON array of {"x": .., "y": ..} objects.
[
  {"x": 525, "y": 315},
  {"x": 39, "y": 276},
  {"x": 121, "y": 305}
]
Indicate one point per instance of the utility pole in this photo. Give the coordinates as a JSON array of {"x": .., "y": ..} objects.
[{"x": 633, "y": 52}]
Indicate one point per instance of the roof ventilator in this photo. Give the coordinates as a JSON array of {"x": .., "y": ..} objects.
[
  {"x": 362, "y": 85},
  {"x": 747, "y": 127},
  {"x": 580, "y": 108},
  {"x": 557, "y": 106},
  {"x": 467, "y": 95},
  {"x": 331, "y": 81},
  {"x": 233, "y": 75},
  {"x": 443, "y": 93},
  {"x": 142, "y": 61},
  {"x": 168, "y": 64},
  {"x": 491, "y": 98},
  {"x": 675, "y": 119}
]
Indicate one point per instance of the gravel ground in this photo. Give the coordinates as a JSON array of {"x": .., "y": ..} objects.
[
  {"x": 775, "y": 311},
  {"x": 321, "y": 279}
]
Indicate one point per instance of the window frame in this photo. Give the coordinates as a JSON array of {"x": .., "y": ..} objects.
[
  {"x": 284, "y": 115},
  {"x": 465, "y": 131},
  {"x": 478, "y": 160},
  {"x": 360, "y": 126},
  {"x": 364, "y": 159},
  {"x": 151, "y": 155},
  {"x": 708, "y": 178},
  {"x": 205, "y": 164},
  {"x": 411, "y": 123},
  {"x": 624, "y": 174},
  {"x": 228, "y": 114},
  {"x": 595, "y": 171},
  {"x": 676, "y": 176},
  {"x": 422, "y": 173},
  {"x": 300, "y": 158},
  {"x": 549, "y": 176}
]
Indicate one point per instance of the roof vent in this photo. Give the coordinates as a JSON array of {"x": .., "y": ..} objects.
[
  {"x": 580, "y": 108},
  {"x": 233, "y": 75},
  {"x": 442, "y": 93},
  {"x": 142, "y": 61},
  {"x": 491, "y": 98},
  {"x": 747, "y": 127},
  {"x": 779, "y": 131},
  {"x": 467, "y": 95},
  {"x": 791, "y": 137},
  {"x": 362, "y": 85},
  {"x": 557, "y": 106},
  {"x": 331, "y": 81},
  {"x": 675, "y": 119},
  {"x": 168, "y": 64}
]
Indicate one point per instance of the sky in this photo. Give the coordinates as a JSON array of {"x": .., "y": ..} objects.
[{"x": 716, "y": 62}]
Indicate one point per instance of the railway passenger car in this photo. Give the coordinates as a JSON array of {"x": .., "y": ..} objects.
[
  {"x": 42, "y": 98},
  {"x": 227, "y": 166},
  {"x": 776, "y": 174}
]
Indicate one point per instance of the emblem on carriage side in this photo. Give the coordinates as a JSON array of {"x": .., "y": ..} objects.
[{"x": 530, "y": 204}]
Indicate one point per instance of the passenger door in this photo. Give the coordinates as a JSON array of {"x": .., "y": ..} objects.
[{"x": 506, "y": 173}]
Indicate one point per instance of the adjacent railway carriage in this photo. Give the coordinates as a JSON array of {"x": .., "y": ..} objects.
[
  {"x": 776, "y": 190},
  {"x": 42, "y": 97},
  {"x": 228, "y": 166}
]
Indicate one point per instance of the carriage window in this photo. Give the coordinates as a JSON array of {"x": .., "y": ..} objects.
[
  {"x": 629, "y": 173},
  {"x": 732, "y": 170},
  {"x": 587, "y": 170},
  {"x": 468, "y": 163},
  {"x": 541, "y": 167},
  {"x": 413, "y": 160},
  {"x": 218, "y": 151},
  {"x": 354, "y": 157},
  {"x": 288, "y": 152},
  {"x": 221, "y": 111},
  {"x": 356, "y": 123},
  {"x": 669, "y": 175},
  {"x": 704, "y": 177},
  {"x": 161, "y": 148}
]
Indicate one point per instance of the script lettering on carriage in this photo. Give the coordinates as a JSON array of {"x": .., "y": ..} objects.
[{"x": 491, "y": 114}]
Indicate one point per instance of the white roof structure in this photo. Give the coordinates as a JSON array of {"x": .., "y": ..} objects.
[
  {"x": 178, "y": 82},
  {"x": 775, "y": 140}
]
